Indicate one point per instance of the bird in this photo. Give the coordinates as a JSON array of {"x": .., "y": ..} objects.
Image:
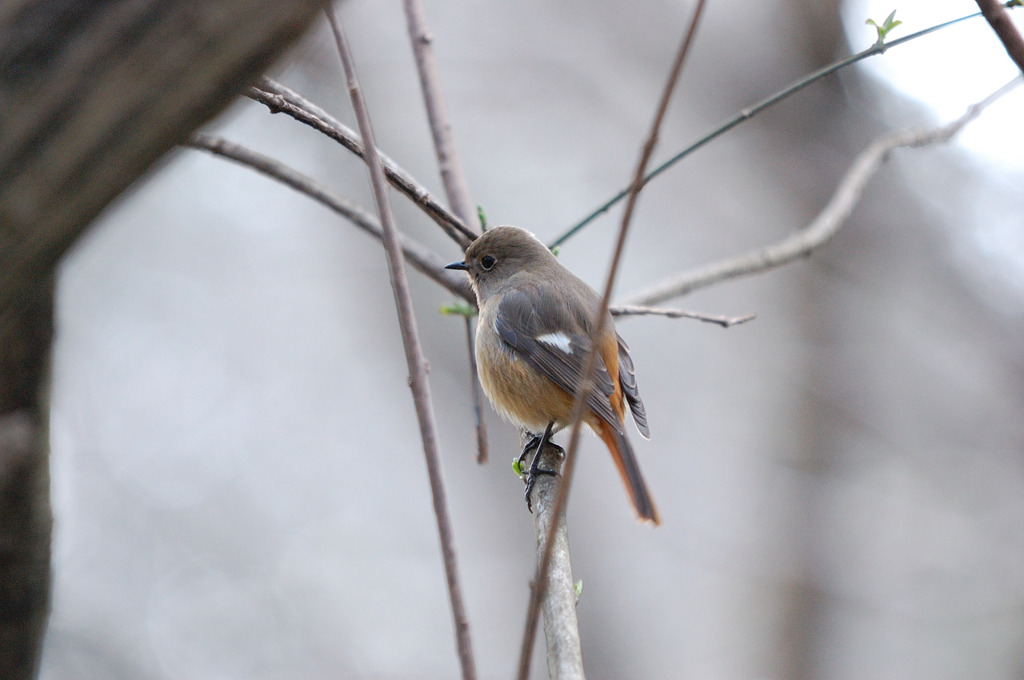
[{"x": 533, "y": 335}]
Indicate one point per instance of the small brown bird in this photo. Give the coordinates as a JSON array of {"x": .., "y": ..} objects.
[{"x": 532, "y": 339}]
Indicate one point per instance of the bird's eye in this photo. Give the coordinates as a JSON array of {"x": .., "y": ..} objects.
[{"x": 487, "y": 262}]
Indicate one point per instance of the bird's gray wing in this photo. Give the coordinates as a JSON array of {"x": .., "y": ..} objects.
[
  {"x": 542, "y": 331},
  {"x": 627, "y": 378}
]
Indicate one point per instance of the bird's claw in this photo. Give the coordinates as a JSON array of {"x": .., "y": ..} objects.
[{"x": 535, "y": 469}]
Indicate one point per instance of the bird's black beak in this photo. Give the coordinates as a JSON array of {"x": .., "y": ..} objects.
[{"x": 461, "y": 266}]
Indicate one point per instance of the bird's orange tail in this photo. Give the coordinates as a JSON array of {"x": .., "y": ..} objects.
[{"x": 622, "y": 454}]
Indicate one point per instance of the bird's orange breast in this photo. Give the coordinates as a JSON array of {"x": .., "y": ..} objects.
[{"x": 519, "y": 392}]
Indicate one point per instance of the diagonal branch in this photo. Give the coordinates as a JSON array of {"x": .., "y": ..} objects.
[
  {"x": 281, "y": 99},
  {"x": 417, "y": 254},
  {"x": 413, "y": 353},
  {"x": 825, "y": 225},
  {"x": 750, "y": 112},
  {"x": 999, "y": 19}
]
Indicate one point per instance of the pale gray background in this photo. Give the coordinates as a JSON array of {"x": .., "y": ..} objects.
[{"x": 238, "y": 484}]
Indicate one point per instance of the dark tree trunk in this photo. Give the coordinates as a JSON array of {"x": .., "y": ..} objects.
[{"x": 92, "y": 93}]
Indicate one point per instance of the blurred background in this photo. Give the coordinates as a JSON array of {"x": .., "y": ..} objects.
[{"x": 238, "y": 483}]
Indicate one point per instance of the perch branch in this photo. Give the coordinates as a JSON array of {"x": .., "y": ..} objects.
[
  {"x": 413, "y": 353},
  {"x": 540, "y": 583},
  {"x": 561, "y": 627},
  {"x": 825, "y": 225}
]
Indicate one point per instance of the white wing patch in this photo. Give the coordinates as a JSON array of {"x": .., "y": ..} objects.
[{"x": 557, "y": 339}]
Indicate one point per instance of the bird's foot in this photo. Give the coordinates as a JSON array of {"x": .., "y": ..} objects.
[{"x": 535, "y": 469}]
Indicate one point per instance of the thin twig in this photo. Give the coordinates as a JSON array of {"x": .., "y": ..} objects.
[
  {"x": 999, "y": 19},
  {"x": 418, "y": 255},
  {"x": 825, "y": 226},
  {"x": 540, "y": 581},
  {"x": 723, "y": 321},
  {"x": 750, "y": 112},
  {"x": 452, "y": 177},
  {"x": 281, "y": 99},
  {"x": 413, "y": 353}
]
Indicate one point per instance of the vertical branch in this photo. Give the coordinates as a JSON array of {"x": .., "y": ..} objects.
[
  {"x": 413, "y": 352},
  {"x": 540, "y": 583},
  {"x": 561, "y": 627},
  {"x": 452, "y": 177}
]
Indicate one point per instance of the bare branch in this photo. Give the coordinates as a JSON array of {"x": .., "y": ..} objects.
[
  {"x": 413, "y": 353},
  {"x": 418, "y": 255},
  {"x": 540, "y": 583},
  {"x": 825, "y": 225},
  {"x": 281, "y": 99},
  {"x": 723, "y": 321},
  {"x": 751, "y": 111},
  {"x": 561, "y": 627},
  {"x": 452, "y": 177},
  {"x": 1001, "y": 23}
]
